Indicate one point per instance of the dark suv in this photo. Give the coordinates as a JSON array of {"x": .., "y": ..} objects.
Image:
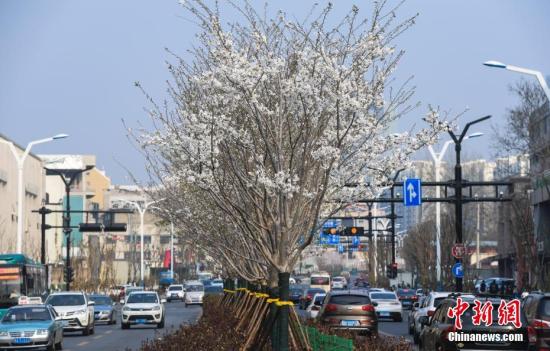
[
  {"x": 349, "y": 309},
  {"x": 435, "y": 334},
  {"x": 537, "y": 312},
  {"x": 407, "y": 297}
]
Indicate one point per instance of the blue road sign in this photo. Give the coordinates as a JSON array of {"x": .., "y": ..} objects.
[
  {"x": 333, "y": 239},
  {"x": 458, "y": 272},
  {"x": 340, "y": 248},
  {"x": 355, "y": 241},
  {"x": 412, "y": 192},
  {"x": 331, "y": 223}
]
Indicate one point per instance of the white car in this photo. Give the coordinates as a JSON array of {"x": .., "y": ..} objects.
[
  {"x": 339, "y": 283},
  {"x": 387, "y": 305},
  {"x": 194, "y": 293},
  {"x": 175, "y": 292},
  {"x": 75, "y": 310},
  {"x": 143, "y": 307},
  {"x": 315, "y": 305}
]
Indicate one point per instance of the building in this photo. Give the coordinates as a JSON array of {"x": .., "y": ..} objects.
[
  {"x": 33, "y": 180},
  {"x": 539, "y": 135},
  {"x": 57, "y": 200},
  {"x": 156, "y": 237}
]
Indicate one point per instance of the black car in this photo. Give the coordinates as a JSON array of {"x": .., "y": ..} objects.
[
  {"x": 537, "y": 311},
  {"x": 407, "y": 297},
  {"x": 295, "y": 294},
  {"x": 436, "y": 332}
]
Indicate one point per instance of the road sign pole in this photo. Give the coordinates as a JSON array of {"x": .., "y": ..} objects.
[{"x": 458, "y": 209}]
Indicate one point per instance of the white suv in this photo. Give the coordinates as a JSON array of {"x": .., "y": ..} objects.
[
  {"x": 175, "y": 292},
  {"x": 194, "y": 293},
  {"x": 75, "y": 309},
  {"x": 143, "y": 307}
]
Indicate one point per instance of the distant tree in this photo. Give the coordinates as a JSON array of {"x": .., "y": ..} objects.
[{"x": 518, "y": 136}]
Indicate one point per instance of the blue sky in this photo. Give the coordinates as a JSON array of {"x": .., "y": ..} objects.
[{"x": 70, "y": 65}]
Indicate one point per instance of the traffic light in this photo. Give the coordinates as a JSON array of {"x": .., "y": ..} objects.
[
  {"x": 331, "y": 231},
  {"x": 354, "y": 231},
  {"x": 99, "y": 227},
  {"x": 391, "y": 271},
  {"x": 69, "y": 274}
]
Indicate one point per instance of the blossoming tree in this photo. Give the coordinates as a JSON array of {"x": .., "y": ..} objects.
[{"x": 270, "y": 122}]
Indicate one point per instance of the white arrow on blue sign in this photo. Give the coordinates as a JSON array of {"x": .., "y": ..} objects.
[
  {"x": 457, "y": 270},
  {"x": 412, "y": 192}
]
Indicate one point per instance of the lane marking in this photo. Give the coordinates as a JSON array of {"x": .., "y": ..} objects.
[
  {"x": 108, "y": 331},
  {"x": 98, "y": 336},
  {"x": 82, "y": 343}
]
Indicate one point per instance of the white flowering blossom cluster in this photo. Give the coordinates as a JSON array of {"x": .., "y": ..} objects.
[{"x": 274, "y": 119}]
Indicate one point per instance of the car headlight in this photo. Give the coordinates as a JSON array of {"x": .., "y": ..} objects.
[
  {"x": 42, "y": 332},
  {"x": 81, "y": 311},
  {"x": 126, "y": 308},
  {"x": 3, "y": 333},
  {"x": 156, "y": 308}
]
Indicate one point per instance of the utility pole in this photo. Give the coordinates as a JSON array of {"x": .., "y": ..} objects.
[
  {"x": 458, "y": 185},
  {"x": 72, "y": 174}
]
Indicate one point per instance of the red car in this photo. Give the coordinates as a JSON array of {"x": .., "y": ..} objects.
[{"x": 407, "y": 297}]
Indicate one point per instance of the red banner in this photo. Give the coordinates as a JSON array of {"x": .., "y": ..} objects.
[{"x": 166, "y": 259}]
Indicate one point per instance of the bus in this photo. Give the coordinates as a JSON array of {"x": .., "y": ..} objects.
[
  {"x": 20, "y": 276},
  {"x": 320, "y": 280}
]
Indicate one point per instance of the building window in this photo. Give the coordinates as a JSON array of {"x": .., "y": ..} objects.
[{"x": 164, "y": 239}]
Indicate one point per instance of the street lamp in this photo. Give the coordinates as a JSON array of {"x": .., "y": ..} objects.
[
  {"x": 458, "y": 184},
  {"x": 20, "y": 188},
  {"x": 142, "y": 210},
  {"x": 537, "y": 74},
  {"x": 437, "y": 158}
]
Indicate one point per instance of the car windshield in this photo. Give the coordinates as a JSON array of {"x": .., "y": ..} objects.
[
  {"x": 142, "y": 298},
  {"x": 406, "y": 292},
  {"x": 438, "y": 300},
  {"x": 319, "y": 280},
  {"x": 382, "y": 296},
  {"x": 350, "y": 300},
  {"x": 27, "y": 314},
  {"x": 65, "y": 300},
  {"x": 217, "y": 281},
  {"x": 338, "y": 279},
  {"x": 545, "y": 309},
  {"x": 175, "y": 288},
  {"x": 101, "y": 300},
  {"x": 319, "y": 299},
  {"x": 194, "y": 288}
]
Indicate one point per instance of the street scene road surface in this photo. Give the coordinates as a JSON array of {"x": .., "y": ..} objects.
[
  {"x": 191, "y": 171},
  {"x": 112, "y": 337}
]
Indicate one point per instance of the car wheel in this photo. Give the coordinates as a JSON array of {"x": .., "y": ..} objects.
[
  {"x": 124, "y": 326},
  {"x": 398, "y": 319},
  {"x": 92, "y": 331},
  {"x": 161, "y": 324},
  {"x": 52, "y": 346},
  {"x": 86, "y": 331},
  {"x": 59, "y": 345},
  {"x": 411, "y": 329},
  {"x": 416, "y": 338},
  {"x": 185, "y": 304}
]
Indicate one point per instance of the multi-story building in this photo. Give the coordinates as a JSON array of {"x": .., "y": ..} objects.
[
  {"x": 33, "y": 185},
  {"x": 539, "y": 134},
  {"x": 156, "y": 236},
  {"x": 80, "y": 196}
]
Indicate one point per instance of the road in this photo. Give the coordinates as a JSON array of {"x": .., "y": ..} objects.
[{"x": 113, "y": 338}]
